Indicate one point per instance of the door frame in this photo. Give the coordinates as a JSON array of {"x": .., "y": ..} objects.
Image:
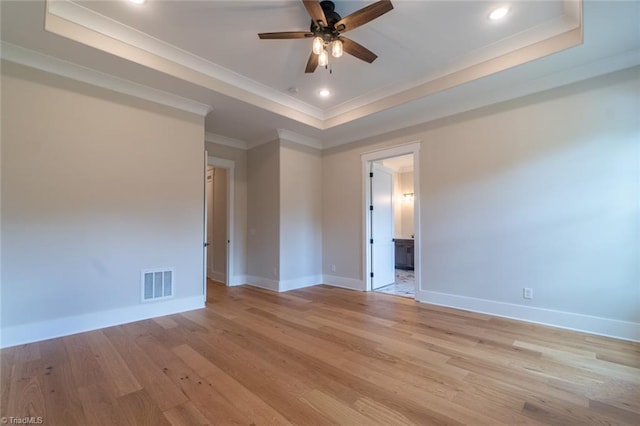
[
  {"x": 229, "y": 165},
  {"x": 367, "y": 159}
]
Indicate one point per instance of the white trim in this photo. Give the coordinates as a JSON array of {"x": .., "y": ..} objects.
[
  {"x": 71, "y": 20},
  {"x": 300, "y": 282},
  {"x": 230, "y": 166},
  {"x": 237, "y": 280},
  {"x": 222, "y": 163},
  {"x": 561, "y": 319},
  {"x": 226, "y": 141},
  {"x": 58, "y": 327},
  {"x": 33, "y": 59},
  {"x": 265, "y": 283},
  {"x": 68, "y": 19},
  {"x": 394, "y": 151},
  {"x": 298, "y": 138},
  {"x": 265, "y": 138},
  {"x": 550, "y": 37},
  {"x": 344, "y": 282}
]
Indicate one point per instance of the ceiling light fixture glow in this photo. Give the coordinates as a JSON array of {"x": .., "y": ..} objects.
[
  {"x": 336, "y": 48},
  {"x": 138, "y": 1},
  {"x": 323, "y": 58},
  {"x": 324, "y": 93},
  {"x": 499, "y": 13},
  {"x": 318, "y": 45}
]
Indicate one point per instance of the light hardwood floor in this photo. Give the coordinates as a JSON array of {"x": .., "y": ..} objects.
[{"x": 320, "y": 356}]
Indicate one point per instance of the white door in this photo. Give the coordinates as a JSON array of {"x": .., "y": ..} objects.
[
  {"x": 382, "y": 244},
  {"x": 208, "y": 176}
]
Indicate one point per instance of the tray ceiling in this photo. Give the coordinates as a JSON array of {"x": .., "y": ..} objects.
[{"x": 428, "y": 51}]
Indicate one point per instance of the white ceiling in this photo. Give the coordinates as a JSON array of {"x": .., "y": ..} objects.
[{"x": 436, "y": 58}]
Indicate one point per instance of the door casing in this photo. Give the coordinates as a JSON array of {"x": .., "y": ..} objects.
[{"x": 367, "y": 158}]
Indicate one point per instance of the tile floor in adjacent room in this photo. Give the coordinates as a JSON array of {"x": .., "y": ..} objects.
[{"x": 404, "y": 286}]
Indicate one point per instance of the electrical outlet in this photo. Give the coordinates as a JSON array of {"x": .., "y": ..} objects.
[
  {"x": 333, "y": 268},
  {"x": 527, "y": 293}
]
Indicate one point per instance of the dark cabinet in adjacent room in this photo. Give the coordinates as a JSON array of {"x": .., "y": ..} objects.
[{"x": 404, "y": 254}]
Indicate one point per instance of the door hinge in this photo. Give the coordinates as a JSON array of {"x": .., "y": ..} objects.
[
  {"x": 371, "y": 241},
  {"x": 372, "y": 275},
  {"x": 371, "y": 208},
  {"x": 370, "y": 174}
]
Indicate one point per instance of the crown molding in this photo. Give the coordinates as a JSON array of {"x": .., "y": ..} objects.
[
  {"x": 71, "y": 20},
  {"x": 475, "y": 72},
  {"x": 33, "y": 59},
  {"x": 284, "y": 134},
  {"x": 226, "y": 141},
  {"x": 543, "y": 39},
  {"x": 516, "y": 89}
]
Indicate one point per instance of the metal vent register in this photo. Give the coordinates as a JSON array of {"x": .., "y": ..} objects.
[{"x": 157, "y": 284}]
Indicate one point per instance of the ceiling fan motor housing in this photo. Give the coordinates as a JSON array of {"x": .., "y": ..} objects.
[{"x": 329, "y": 32}]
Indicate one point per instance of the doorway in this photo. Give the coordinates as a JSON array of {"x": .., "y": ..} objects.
[
  {"x": 392, "y": 221},
  {"x": 219, "y": 220}
]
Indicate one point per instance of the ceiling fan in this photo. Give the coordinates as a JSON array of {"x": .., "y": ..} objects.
[{"x": 327, "y": 28}]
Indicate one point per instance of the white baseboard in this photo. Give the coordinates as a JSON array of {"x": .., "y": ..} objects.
[
  {"x": 217, "y": 276},
  {"x": 261, "y": 282},
  {"x": 237, "y": 280},
  {"x": 34, "y": 332},
  {"x": 344, "y": 282},
  {"x": 572, "y": 321},
  {"x": 300, "y": 282}
]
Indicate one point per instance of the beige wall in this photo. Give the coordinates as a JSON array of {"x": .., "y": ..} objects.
[
  {"x": 219, "y": 223},
  {"x": 239, "y": 233},
  {"x": 263, "y": 206},
  {"x": 96, "y": 186},
  {"x": 300, "y": 215},
  {"x": 342, "y": 198},
  {"x": 406, "y": 206},
  {"x": 209, "y": 189},
  {"x": 538, "y": 192},
  {"x": 397, "y": 206}
]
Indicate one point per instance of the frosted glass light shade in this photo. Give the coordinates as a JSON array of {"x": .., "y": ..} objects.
[
  {"x": 323, "y": 58},
  {"x": 336, "y": 48},
  {"x": 318, "y": 45}
]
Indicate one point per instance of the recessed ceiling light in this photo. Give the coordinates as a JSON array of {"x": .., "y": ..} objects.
[
  {"x": 499, "y": 13},
  {"x": 138, "y": 1},
  {"x": 324, "y": 93}
]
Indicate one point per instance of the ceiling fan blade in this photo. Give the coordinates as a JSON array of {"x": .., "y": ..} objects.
[
  {"x": 357, "y": 50},
  {"x": 315, "y": 11},
  {"x": 312, "y": 63},
  {"x": 364, "y": 15},
  {"x": 285, "y": 35}
]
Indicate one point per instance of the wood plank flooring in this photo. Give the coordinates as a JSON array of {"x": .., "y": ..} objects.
[{"x": 321, "y": 356}]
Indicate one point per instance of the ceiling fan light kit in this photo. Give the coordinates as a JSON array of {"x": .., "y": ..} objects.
[
  {"x": 318, "y": 45},
  {"x": 327, "y": 27},
  {"x": 336, "y": 48}
]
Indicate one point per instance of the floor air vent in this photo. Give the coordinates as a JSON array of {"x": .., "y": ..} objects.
[{"x": 157, "y": 284}]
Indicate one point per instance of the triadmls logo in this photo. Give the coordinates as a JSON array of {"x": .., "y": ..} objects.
[{"x": 33, "y": 420}]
